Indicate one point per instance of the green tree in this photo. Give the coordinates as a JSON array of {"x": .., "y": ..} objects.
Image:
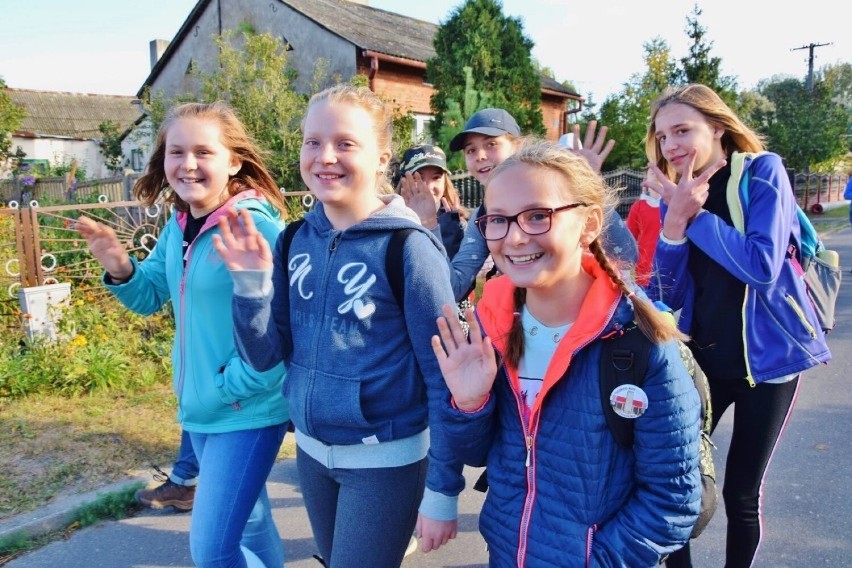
[
  {"x": 110, "y": 145},
  {"x": 626, "y": 113},
  {"x": 11, "y": 116},
  {"x": 700, "y": 67},
  {"x": 806, "y": 128},
  {"x": 478, "y": 35},
  {"x": 838, "y": 79},
  {"x": 455, "y": 115}
]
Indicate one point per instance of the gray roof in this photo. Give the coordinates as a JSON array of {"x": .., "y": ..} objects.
[
  {"x": 372, "y": 28},
  {"x": 365, "y": 27},
  {"x": 73, "y": 115}
]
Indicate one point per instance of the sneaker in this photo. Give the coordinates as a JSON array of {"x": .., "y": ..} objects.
[
  {"x": 412, "y": 546},
  {"x": 169, "y": 494}
]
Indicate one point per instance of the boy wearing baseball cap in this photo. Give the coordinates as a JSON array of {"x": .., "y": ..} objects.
[{"x": 490, "y": 136}]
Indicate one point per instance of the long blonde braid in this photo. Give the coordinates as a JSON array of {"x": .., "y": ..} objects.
[{"x": 653, "y": 323}]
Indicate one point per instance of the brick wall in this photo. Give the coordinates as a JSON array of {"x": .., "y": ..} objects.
[{"x": 404, "y": 85}]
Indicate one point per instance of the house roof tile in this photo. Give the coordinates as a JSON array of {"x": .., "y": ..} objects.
[{"x": 73, "y": 115}]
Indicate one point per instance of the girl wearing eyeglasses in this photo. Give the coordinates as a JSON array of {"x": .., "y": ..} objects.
[{"x": 525, "y": 387}]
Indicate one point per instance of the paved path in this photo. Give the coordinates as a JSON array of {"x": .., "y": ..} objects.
[{"x": 808, "y": 497}]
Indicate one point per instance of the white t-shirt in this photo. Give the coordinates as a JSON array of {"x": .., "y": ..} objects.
[{"x": 540, "y": 344}]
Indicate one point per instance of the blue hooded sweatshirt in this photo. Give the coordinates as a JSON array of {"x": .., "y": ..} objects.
[{"x": 363, "y": 383}]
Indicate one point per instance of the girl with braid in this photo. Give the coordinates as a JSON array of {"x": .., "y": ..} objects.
[{"x": 525, "y": 385}]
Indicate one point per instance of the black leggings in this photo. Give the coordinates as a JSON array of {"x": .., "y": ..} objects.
[{"x": 760, "y": 415}]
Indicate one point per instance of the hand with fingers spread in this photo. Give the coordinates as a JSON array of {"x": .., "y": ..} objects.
[
  {"x": 595, "y": 146},
  {"x": 240, "y": 245},
  {"x": 434, "y": 534},
  {"x": 686, "y": 198},
  {"x": 106, "y": 247},
  {"x": 468, "y": 367},
  {"x": 418, "y": 197}
]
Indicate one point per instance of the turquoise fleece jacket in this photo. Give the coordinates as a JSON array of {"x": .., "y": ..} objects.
[
  {"x": 216, "y": 391},
  {"x": 363, "y": 382}
]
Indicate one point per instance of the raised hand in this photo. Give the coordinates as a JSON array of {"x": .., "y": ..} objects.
[
  {"x": 106, "y": 247},
  {"x": 469, "y": 367},
  {"x": 595, "y": 146},
  {"x": 240, "y": 245},
  {"x": 686, "y": 198},
  {"x": 418, "y": 197}
]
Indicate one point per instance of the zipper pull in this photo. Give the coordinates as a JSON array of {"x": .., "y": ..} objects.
[
  {"x": 529, "y": 449},
  {"x": 333, "y": 246}
]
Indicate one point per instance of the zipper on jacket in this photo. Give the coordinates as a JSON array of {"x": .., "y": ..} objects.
[
  {"x": 529, "y": 432},
  {"x": 590, "y": 539},
  {"x": 315, "y": 344},
  {"x": 749, "y": 377},
  {"x": 801, "y": 315}
]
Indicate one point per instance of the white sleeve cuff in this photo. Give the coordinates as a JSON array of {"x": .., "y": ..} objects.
[
  {"x": 669, "y": 241},
  {"x": 252, "y": 283}
]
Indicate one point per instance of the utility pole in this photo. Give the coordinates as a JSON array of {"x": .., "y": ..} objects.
[{"x": 810, "y": 47}]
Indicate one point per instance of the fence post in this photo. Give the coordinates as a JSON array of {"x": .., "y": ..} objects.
[{"x": 128, "y": 187}]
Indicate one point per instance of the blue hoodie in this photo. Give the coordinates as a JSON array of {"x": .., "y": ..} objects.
[
  {"x": 216, "y": 391},
  {"x": 363, "y": 382}
]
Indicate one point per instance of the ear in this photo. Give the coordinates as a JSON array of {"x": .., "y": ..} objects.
[
  {"x": 235, "y": 167},
  {"x": 718, "y": 132},
  {"x": 594, "y": 224},
  {"x": 384, "y": 160}
]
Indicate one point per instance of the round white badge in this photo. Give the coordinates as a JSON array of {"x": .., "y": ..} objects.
[{"x": 628, "y": 401}]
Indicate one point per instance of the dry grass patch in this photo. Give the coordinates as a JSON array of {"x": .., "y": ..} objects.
[{"x": 53, "y": 446}]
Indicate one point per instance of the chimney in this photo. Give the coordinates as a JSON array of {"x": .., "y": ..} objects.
[{"x": 157, "y": 47}]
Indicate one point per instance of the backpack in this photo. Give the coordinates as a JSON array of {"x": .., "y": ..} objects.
[
  {"x": 624, "y": 360},
  {"x": 393, "y": 257},
  {"x": 818, "y": 267}
]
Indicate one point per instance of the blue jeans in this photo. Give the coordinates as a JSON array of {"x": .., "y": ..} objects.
[
  {"x": 231, "y": 504},
  {"x": 185, "y": 469},
  {"x": 361, "y": 517}
]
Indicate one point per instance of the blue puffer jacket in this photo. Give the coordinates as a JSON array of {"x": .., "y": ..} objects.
[
  {"x": 562, "y": 491},
  {"x": 781, "y": 332}
]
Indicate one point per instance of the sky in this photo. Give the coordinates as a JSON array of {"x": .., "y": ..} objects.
[{"x": 101, "y": 46}]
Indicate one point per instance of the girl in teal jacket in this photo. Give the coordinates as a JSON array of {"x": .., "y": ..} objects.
[{"x": 202, "y": 165}]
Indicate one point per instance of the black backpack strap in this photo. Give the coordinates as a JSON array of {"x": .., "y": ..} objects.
[
  {"x": 624, "y": 360},
  {"x": 287, "y": 237},
  {"x": 394, "y": 267}
]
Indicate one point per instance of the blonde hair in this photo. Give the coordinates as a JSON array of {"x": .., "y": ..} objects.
[
  {"x": 737, "y": 136},
  {"x": 586, "y": 186},
  {"x": 252, "y": 175},
  {"x": 379, "y": 111}
]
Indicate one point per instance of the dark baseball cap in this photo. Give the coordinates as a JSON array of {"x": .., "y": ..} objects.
[
  {"x": 421, "y": 156},
  {"x": 488, "y": 121}
]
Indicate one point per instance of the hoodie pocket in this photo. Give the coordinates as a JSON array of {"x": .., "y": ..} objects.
[{"x": 329, "y": 405}]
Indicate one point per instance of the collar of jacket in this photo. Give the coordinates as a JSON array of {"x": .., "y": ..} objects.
[
  {"x": 737, "y": 190},
  {"x": 495, "y": 312},
  {"x": 224, "y": 208}
]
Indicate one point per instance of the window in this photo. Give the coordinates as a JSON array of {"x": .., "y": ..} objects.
[
  {"x": 136, "y": 160},
  {"x": 421, "y": 128}
]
